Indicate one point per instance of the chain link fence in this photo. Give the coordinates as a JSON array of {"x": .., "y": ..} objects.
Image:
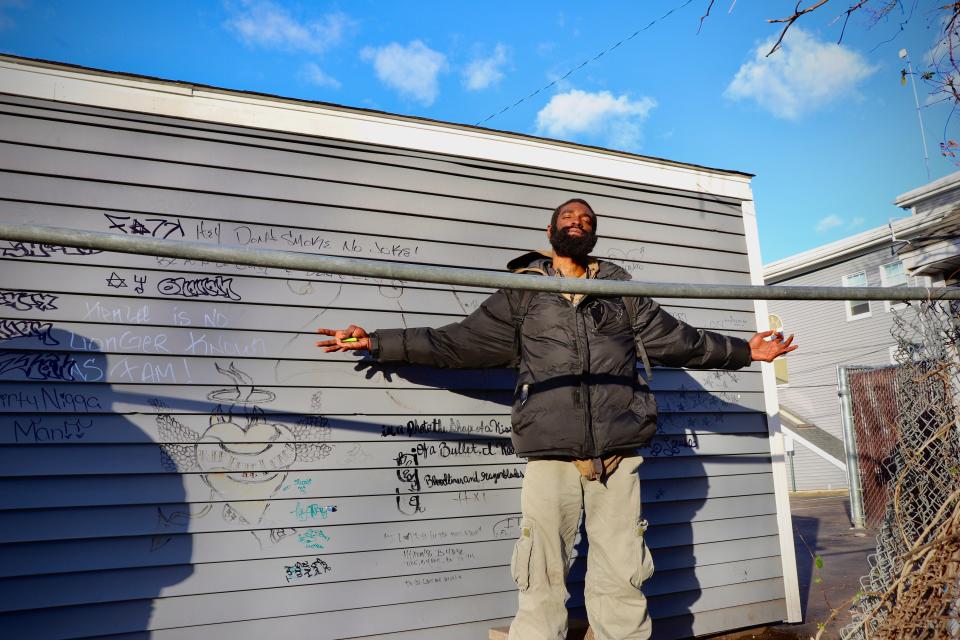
[
  {"x": 913, "y": 587},
  {"x": 873, "y": 399}
]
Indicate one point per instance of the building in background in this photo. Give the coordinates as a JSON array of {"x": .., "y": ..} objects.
[{"x": 921, "y": 249}]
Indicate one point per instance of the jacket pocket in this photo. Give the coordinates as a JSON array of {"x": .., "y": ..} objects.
[
  {"x": 644, "y": 407},
  {"x": 522, "y": 555},
  {"x": 521, "y": 414},
  {"x": 609, "y": 316},
  {"x": 644, "y": 560}
]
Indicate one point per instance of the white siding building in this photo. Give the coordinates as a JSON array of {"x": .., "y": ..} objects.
[{"x": 922, "y": 249}]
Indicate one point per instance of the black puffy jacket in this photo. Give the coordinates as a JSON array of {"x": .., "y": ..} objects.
[{"x": 578, "y": 391}]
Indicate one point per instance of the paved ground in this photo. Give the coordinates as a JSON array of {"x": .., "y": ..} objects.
[{"x": 823, "y": 521}]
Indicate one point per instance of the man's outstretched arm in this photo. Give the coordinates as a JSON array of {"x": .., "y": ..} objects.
[
  {"x": 673, "y": 343},
  {"x": 485, "y": 338}
]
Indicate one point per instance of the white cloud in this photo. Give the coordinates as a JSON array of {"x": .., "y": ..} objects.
[
  {"x": 545, "y": 48},
  {"x": 313, "y": 74},
  {"x": 483, "y": 72},
  {"x": 265, "y": 24},
  {"x": 804, "y": 75},
  {"x": 940, "y": 51},
  {"x": 834, "y": 222},
  {"x": 412, "y": 70},
  {"x": 829, "y": 222},
  {"x": 575, "y": 113}
]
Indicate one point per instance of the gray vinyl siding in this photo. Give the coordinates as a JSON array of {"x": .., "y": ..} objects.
[
  {"x": 814, "y": 473},
  {"x": 178, "y": 460},
  {"x": 828, "y": 339}
]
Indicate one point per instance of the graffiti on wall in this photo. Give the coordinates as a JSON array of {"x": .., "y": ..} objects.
[{"x": 243, "y": 455}]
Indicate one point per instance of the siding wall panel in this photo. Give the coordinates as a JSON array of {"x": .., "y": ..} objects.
[
  {"x": 168, "y": 457},
  {"x": 57, "y": 557}
]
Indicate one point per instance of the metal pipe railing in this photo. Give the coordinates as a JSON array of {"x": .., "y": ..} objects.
[
  {"x": 850, "y": 448},
  {"x": 100, "y": 241}
]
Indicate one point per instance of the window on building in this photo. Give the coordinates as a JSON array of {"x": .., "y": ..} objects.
[
  {"x": 893, "y": 275},
  {"x": 857, "y": 308},
  {"x": 780, "y": 364}
]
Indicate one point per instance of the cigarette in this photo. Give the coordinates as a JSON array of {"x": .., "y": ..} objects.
[{"x": 349, "y": 340}]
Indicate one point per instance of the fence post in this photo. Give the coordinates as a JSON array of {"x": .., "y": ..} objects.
[{"x": 850, "y": 446}]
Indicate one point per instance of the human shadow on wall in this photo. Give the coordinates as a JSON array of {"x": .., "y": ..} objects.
[
  {"x": 675, "y": 487},
  {"x": 77, "y": 569},
  {"x": 139, "y": 567},
  {"x": 493, "y": 385}
]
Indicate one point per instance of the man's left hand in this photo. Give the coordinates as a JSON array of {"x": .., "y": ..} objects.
[{"x": 766, "y": 350}]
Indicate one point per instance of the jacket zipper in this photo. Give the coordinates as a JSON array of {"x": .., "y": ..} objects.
[{"x": 583, "y": 350}]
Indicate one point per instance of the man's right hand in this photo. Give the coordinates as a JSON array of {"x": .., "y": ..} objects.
[{"x": 362, "y": 340}]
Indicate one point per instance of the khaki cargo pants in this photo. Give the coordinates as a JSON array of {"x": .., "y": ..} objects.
[{"x": 618, "y": 560}]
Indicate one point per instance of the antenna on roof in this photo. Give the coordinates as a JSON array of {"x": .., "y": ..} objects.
[{"x": 926, "y": 162}]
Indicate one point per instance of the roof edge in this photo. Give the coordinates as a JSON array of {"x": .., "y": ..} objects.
[
  {"x": 188, "y": 88},
  {"x": 929, "y": 190},
  {"x": 850, "y": 246}
]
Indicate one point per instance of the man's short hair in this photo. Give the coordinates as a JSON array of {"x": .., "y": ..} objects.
[{"x": 556, "y": 212}]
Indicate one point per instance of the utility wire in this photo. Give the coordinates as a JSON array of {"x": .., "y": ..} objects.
[
  {"x": 829, "y": 364},
  {"x": 585, "y": 63}
]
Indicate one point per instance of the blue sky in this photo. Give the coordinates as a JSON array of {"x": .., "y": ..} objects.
[{"x": 829, "y": 130}]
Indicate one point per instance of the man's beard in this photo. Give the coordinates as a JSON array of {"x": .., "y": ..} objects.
[{"x": 572, "y": 246}]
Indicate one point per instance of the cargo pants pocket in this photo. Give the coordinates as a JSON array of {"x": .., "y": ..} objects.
[
  {"x": 642, "y": 556},
  {"x": 522, "y": 554}
]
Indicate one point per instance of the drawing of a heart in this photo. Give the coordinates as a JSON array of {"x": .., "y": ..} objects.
[{"x": 246, "y": 466}]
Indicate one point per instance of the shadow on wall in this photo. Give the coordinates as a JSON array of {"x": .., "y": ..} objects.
[
  {"x": 134, "y": 558},
  {"x": 104, "y": 528},
  {"x": 76, "y": 561},
  {"x": 674, "y": 490}
]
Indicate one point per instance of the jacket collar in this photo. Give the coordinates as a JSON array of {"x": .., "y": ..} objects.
[{"x": 541, "y": 262}]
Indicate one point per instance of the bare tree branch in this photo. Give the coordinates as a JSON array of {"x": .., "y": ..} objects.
[
  {"x": 797, "y": 12},
  {"x": 942, "y": 73},
  {"x": 705, "y": 16},
  {"x": 846, "y": 18}
]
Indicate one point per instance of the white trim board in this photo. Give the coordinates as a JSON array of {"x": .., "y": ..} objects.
[
  {"x": 778, "y": 456},
  {"x": 103, "y": 89},
  {"x": 814, "y": 448}
]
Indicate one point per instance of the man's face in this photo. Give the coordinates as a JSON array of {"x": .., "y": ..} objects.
[{"x": 573, "y": 235}]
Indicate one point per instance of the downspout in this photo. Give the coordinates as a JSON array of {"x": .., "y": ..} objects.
[{"x": 788, "y": 449}]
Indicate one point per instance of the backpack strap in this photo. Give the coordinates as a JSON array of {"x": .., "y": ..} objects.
[
  {"x": 519, "y": 314},
  {"x": 631, "y": 305},
  {"x": 520, "y": 311},
  {"x": 525, "y": 296}
]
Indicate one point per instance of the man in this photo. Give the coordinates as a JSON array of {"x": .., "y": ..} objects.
[{"x": 580, "y": 411}]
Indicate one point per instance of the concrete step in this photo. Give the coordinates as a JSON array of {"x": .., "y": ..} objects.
[{"x": 577, "y": 629}]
